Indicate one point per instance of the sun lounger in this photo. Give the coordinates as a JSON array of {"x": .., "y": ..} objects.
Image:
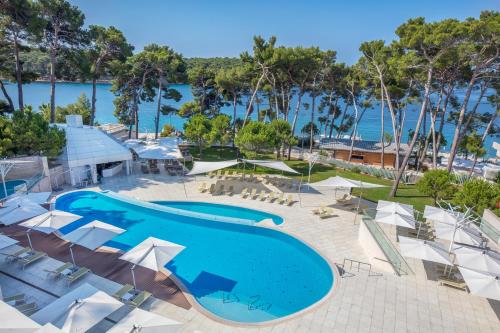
[
  {"x": 219, "y": 174},
  {"x": 155, "y": 170},
  {"x": 57, "y": 272},
  {"x": 281, "y": 198},
  {"x": 211, "y": 174},
  {"x": 270, "y": 197},
  {"x": 289, "y": 200},
  {"x": 14, "y": 299},
  {"x": 267, "y": 180},
  {"x": 26, "y": 307},
  {"x": 253, "y": 194},
  {"x": 14, "y": 256},
  {"x": 220, "y": 190},
  {"x": 30, "y": 311},
  {"x": 144, "y": 169},
  {"x": 79, "y": 273},
  {"x": 203, "y": 188},
  {"x": 328, "y": 212},
  {"x": 445, "y": 281},
  {"x": 140, "y": 298},
  {"x": 244, "y": 193},
  {"x": 242, "y": 177},
  {"x": 32, "y": 257},
  {"x": 318, "y": 210},
  {"x": 123, "y": 291},
  {"x": 230, "y": 190},
  {"x": 211, "y": 190},
  {"x": 262, "y": 195}
]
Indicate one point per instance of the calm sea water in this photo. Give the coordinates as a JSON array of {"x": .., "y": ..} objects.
[{"x": 38, "y": 93}]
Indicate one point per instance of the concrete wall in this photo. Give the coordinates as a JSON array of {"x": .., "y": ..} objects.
[
  {"x": 372, "y": 250},
  {"x": 36, "y": 165}
]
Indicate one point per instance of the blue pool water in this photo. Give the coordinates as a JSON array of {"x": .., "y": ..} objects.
[
  {"x": 222, "y": 210},
  {"x": 238, "y": 272},
  {"x": 11, "y": 186}
]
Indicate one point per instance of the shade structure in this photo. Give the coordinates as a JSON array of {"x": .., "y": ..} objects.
[
  {"x": 6, "y": 242},
  {"x": 205, "y": 167},
  {"x": 163, "y": 149},
  {"x": 93, "y": 234},
  {"x": 78, "y": 310},
  {"x": 276, "y": 165},
  {"x": 395, "y": 208},
  {"x": 146, "y": 322},
  {"x": 424, "y": 250},
  {"x": 23, "y": 210},
  {"x": 395, "y": 219},
  {"x": 50, "y": 221},
  {"x": 440, "y": 215},
  {"x": 482, "y": 284},
  {"x": 36, "y": 197},
  {"x": 152, "y": 253},
  {"x": 12, "y": 320},
  {"x": 478, "y": 259},
  {"x": 460, "y": 234},
  {"x": 337, "y": 181}
]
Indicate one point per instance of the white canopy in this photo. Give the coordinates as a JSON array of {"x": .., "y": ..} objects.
[
  {"x": 13, "y": 320},
  {"x": 423, "y": 249},
  {"x": 23, "y": 210},
  {"x": 481, "y": 283},
  {"x": 478, "y": 259},
  {"x": 146, "y": 322},
  {"x": 276, "y": 165},
  {"x": 78, "y": 310},
  {"x": 342, "y": 182},
  {"x": 205, "y": 167},
  {"x": 152, "y": 253},
  {"x": 6, "y": 242},
  {"x": 48, "y": 328},
  {"x": 50, "y": 221},
  {"x": 395, "y": 219},
  {"x": 163, "y": 149},
  {"x": 439, "y": 215},
  {"x": 395, "y": 208},
  {"x": 93, "y": 234},
  {"x": 36, "y": 197},
  {"x": 463, "y": 234}
]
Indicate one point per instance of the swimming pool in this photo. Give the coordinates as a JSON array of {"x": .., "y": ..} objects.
[
  {"x": 237, "y": 272},
  {"x": 11, "y": 187},
  {"x": 222, "y": 210}
]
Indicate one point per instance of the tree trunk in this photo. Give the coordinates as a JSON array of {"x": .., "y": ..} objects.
[
  {"x": 311, "y": 132},
  {"x": 235, "y": 102},
  {"x": 442, "y": 120},
  {"x": 18, "y": 76},
  {"x": 250, "y": 103},
  {"x": 394, "y": 126},
  {"x": 158, "y": 108},
  {"x": 53, "y": 86},
  {"x": 415, "y": 135},
  {"x": 94, "y": 99},
  {"x": 382, "y": 143},
  {"x": 294, "y": 123},
  {"x": 7, "y": 97},
  {"x": 473, "y": 166},
  {"x": 136, "y": 115},
  {"x": 458, "y": 127},
  {"x": 355, "y": 126}
]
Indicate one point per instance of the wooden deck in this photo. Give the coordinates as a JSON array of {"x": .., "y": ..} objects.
[{"x": 102, "y": 263}]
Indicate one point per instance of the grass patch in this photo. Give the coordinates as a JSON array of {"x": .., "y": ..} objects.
[{"x": 407, "y": 194}]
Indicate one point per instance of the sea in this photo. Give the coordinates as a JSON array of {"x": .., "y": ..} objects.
[{"x": 38, "y": 93}]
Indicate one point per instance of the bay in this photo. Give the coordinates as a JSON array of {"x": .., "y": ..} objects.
[{"x": 38, "y": 93}]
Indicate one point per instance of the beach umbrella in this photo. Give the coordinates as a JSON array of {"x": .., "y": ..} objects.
[
  {"x": 482, "y": 284},
  {"x": 13, "y": 320},
  {"x": 48, "y": 328},
  {"x": 478, "y": 259},
  {"x": 460, "y": 234},
  {"x": 6, "y": 242},
  {"x": 78, "y": 310},
  {"x": 92, "y": 235},
  {"x": 395, "y": 219},
  {"x": 36, "y": 197},
  {"x": 424, "y": 250},
  {"x": 20, "y": 211},
  {"x": 395, "y": 208},
  {"x": 49, "y": 222},
  {"x": 440, "y": 215},
  {"x": 146, "y": 322},
  {"x": 152, "y": 253}
]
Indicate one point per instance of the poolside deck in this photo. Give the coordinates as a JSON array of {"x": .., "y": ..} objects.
[{"x": 362, "y": 302}]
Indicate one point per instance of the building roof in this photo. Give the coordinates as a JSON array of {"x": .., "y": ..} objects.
[
  {"x": 87, "y": 145},
  {"x": 361, "y": 145}
]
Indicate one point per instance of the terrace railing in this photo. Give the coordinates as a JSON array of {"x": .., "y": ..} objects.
[{"x": 392, "y": 254}]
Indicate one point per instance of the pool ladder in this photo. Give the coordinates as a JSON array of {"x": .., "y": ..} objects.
[{"x": 358, "y": 264}]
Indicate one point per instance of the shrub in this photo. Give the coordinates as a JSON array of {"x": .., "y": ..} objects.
[
  {"x": 478, "y": 194},
  {"x": 438, "y": 184},
  {"x": 167, "y": 130},
  {"x": 356, "y": 170}
]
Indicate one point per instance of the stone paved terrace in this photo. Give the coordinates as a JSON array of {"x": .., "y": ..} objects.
[{"x": 362, "y": 303}]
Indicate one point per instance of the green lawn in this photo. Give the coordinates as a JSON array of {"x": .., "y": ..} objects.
[{"x": 406, "y": 193}]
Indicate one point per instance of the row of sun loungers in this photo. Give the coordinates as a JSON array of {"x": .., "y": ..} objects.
[
  {"x": 267, "y": 196},
  {"x": 25, "y": 256},
  {"x": 251, "y": 178},
  {"x": 19, "y": 302},
  {"x": 69, "y": 272},
  {"x": 131, "y": 296}
]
